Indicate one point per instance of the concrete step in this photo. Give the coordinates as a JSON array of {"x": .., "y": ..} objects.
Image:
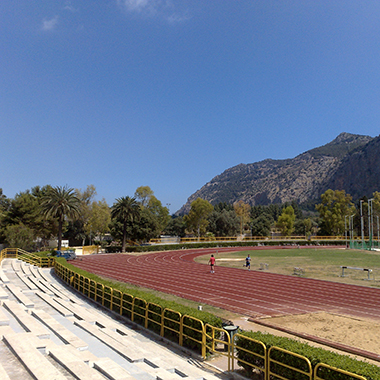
[
  {"x": 19, "y": 295},
  {"x": 157, "y": 372},
  {"x": 3, "y": 374},
  {"x": 112, "y": 370},
  {"x": 3, "y": 293},
  {"x": 28, "y": 323},
  {"x": 74, "y": 365},
  {"x": 3, "y": 277},
  {"x": 55, "y": 305},
  {"x": 131, "y": 353},
  {"x": 25, "y": 279},
  {"x": 35, "y": 362},
  {"x": 65, "y": 335},
  {"x": 40, "y": 285},
  {"x": 79, "y": 311},
  {"x": 16, "y": 265},
  {"x": 5, "y": 330},
  {"x": 25, "y": 267},
  {"x": 4, "y": 320}
]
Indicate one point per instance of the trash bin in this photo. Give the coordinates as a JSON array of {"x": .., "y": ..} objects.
[{"x": 230, "y": 331}]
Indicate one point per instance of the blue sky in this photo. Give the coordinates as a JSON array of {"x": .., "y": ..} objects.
[{"x": 170, "y": 93}]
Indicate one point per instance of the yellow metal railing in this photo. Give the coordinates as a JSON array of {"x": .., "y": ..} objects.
[
  {"x": 322, "y": 369},
  {"x": 276, "y": 364},
  {"x": 272, "y": 362},
  {"x": 40, "y": 261},
  {"x": 203, "y": 239}
]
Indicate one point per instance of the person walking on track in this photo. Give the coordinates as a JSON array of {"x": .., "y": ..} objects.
[
  {"x": 248, "y": 262},
  {"x": 212, "y": 264}
]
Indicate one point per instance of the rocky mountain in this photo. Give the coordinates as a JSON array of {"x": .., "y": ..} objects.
[{"x": 350, "y": 162}]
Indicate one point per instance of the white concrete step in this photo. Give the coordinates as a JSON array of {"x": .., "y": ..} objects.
[
  {"x": 35, "y": 362},
  {"x": 55, "y": 305},
  {"x": 79, "y": 311},
  {"x": 131, "y": 353},
  {"x": 75, "y": 366},
  {"x": 3, "y": 374},
  {"x": 40, "y": 285},
  {"x": 3, "y": 293},
  {"x": 28, "y": 323},
  {"x": 3, "y": 277},
  {"x": 4, "y": 320},
  {"x": 65, "y": 335},
  {"x": 112, "y": 370},
  {"x": 19, "y": 295}
]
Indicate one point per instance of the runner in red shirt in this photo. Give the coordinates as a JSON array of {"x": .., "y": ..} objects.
[{"x": 212, "y": 264}]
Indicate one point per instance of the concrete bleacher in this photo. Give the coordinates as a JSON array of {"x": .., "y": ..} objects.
[{"x": 50, "y": 332}]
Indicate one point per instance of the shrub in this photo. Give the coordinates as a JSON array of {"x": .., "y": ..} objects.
[{"x": 314, "y": 354}]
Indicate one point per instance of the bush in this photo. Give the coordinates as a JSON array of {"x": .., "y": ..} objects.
[{"x": 314, "y": 354}]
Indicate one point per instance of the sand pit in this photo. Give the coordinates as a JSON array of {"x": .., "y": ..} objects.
[{"x": 352, "y": 332}]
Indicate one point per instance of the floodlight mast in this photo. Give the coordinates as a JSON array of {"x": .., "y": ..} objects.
[
  {"x": 345, "y": 228},
  {"x": 370, "y": 222},
  {"x": 351, "y": 227},
  {"x": 361, "y": 221}
]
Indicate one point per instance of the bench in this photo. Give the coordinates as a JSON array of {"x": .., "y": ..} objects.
[
  {"x": 263, "y": 266},
  {"x": 298, "y": 271},
  {"x": 369, "y": 271}
]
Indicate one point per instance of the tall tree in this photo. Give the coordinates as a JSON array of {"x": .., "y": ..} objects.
[
  {"x": 286, "y": 221},
  {"x": 60, "y": 202},
  {"x": 124, "y": 210},
  {"x": 86, "y": 198},
  {"x": 20, "y": 236},
  {"x": 335, "y": 205},
  {"x": 25, "y": 210},
  {"x": 196, "y": 220},
  {"x": 159, "y": 215},
  {"x": 143, "y": 195},
  {"x": 261, "y": 225},
  {"x": 176, "y": 227},
  {"x": 242, "y": 211},
  {"x": 100, "y": 218},
  {"x": 223, "y": 222}
]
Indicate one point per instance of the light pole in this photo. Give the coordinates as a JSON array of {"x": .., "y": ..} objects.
[
  {"x": 370, "y": 222},
  {"x": 361, "y": 222},
  {"x": 345, "y": 228},
  {"x": 351, "y": 228}
]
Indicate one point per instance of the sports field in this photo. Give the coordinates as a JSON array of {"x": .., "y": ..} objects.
[{"x": 317, "y": 263}]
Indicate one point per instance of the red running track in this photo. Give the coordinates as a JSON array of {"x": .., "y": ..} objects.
[{"x": 256, "y": 294}]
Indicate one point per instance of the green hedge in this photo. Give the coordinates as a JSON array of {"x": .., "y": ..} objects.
[{"x": 314, "y": 354}]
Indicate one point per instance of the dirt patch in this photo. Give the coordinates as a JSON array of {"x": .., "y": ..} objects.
[{"x": 352, "y": 332}]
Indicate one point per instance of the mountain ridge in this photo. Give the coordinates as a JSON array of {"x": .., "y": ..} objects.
[{"x": 301, "y": 179}]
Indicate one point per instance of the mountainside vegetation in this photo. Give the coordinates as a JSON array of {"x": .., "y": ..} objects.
[{"x": 350, "y": 162}]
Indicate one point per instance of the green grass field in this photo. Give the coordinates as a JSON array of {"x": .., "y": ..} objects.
[{"x": 318, "y": 263}]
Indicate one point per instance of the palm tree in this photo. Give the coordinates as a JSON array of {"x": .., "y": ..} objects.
[
  {"x": 60, "y": 202},
  {"x": 125, "y": 209}
]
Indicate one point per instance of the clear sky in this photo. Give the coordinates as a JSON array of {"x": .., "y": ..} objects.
[{"x": 170, "y": 93}]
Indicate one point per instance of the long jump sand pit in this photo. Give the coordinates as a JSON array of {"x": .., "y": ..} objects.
[{"x": 345, "y": 330}]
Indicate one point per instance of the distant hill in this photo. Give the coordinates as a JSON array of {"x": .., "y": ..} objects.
[{"x": 349, "y": 162}]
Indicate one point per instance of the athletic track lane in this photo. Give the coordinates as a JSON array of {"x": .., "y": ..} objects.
[{"x": 256, "y": 294}]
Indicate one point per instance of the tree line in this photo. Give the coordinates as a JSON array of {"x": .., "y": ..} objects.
[{"x": 34, "y": 217}]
